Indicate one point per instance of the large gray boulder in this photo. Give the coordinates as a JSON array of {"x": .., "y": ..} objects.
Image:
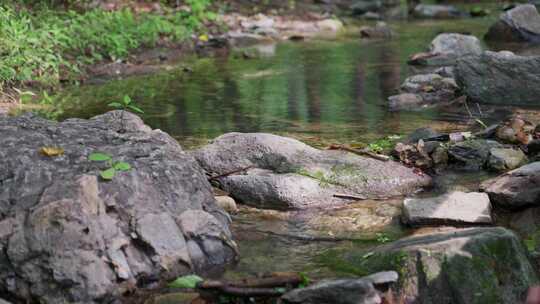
[
  {"x": 448, "y": 209},
  {"x": 67, "y": 236},
  {"x": 517, "y": 188},
  {"x": 278, "y": 172},
  {"x": 474, "y": 265},
  {"x": 520, "y": 24},
  {"x": 500, "y": 78}
]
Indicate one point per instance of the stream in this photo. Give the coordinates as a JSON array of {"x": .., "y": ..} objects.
[{"x": 318, "y": 91}]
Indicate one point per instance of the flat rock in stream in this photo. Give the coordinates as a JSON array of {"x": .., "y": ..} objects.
[
  {"x": 66, "y": 236},
  {"x": 500, "y": 78},
  {"x": 449, "y": 209},
  {"x": 517, "y": 188},
  {"x": 473, "y": 265},
  {"x": 284, "y": 173}
]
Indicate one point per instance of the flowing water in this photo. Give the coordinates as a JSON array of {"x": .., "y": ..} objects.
[{"x": 322, "y": 91}]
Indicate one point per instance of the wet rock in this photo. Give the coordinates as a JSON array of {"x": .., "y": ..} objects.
[
  {"x": 515, "y": 131},
  {"x": 515, "y": 189},
  {"x": 455, "y": 44},
  {"x": 520, "y": 24},
  {"x": 242, "y": 39},
  {"x": 445, "y": 72},
  {"x": 472, "y": 154},
  {"x": 422, "y": 134},
  {"x": 533, "y": 148},
  {"x": 371, "y": 16},
  {"x": 413, "y": 155},
  {"x": 67, "y": 236},
  {"x": 258, "y": 21},
  {"x": 360, "y": 7},
  {"x": 382, "y": 280},
  {"x": 345, "y": 291},
  {"x": 426, "y": 89},
  {"x": 446, "y": 48},
  {"x": 380, "y": 30},
  {"x": 432, "y": 11},
  {"x": 504, "y": 159},
  {"x": 330, "y": 25},
  {"x": 227, "y": 203},
  {"x": 284, "y": 173},
  {"x": 449, "y": 209},
  {"x": 405, "y": 101},
  {"x": 471, "y": 265},
  {"x": 499, "y": 78}
]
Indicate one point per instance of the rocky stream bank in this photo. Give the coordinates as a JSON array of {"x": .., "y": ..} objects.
[{"x": 69, "y": 232}]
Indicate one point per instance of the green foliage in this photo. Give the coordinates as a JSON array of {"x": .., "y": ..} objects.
[
  {"x": 113, "y": 167},
  {"x": 383, "y": 144},
  {"x": 189, "y": 281},
  {"x": 383, "y": 238},
  {"x": 97, "y": 156},
  {"x": 127, "y": 105},
  {"x": 46, "y": 46}
]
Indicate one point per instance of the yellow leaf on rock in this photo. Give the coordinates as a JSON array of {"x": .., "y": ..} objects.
[
  {"x": 203, "y": 38},
  {"x": 51, "y": 151}
]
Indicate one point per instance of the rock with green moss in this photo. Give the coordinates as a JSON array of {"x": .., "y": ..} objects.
[
  {"x": 475, "y": 265},
  {"x": 283, "y": 173}
]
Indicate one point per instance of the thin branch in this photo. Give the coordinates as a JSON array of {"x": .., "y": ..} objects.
[
  {"x": 363, "y": 152},
  {"x": 230, "y": 173}
]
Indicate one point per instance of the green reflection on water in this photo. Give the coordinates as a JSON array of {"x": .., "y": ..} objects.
[{"x": 322, "y": 89}]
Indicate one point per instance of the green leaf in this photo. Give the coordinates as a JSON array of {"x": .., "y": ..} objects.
[
  {"x": 189, "y": 281},
  {"x": 127, "y": 99},
  {"x": 531, "y": 244},
  {"x": 116, "y": 105},
  {"x": 99, "y": 157},
  {"x": 108, "y": 174},
  {"x": 135, "y": 109},
  {"x": 122, "y": 166}
]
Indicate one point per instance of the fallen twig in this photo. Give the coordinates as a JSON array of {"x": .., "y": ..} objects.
[
  {"x": 268, "y": 286},
  {"x": 347, "y": 196},
  {"x": 364, "y": 152},
  {"x": 230, "y": 173}
]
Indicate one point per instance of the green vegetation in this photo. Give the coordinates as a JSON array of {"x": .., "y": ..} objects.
[
  {"x": 364, "y": 263},
  {"x": 113, "y": 166},
  {"x": 189, "y": 281},
  {"x": 48, "y": 46}
]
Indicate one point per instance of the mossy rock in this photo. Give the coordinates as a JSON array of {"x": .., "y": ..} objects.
[{"x": 476, "y": 265}]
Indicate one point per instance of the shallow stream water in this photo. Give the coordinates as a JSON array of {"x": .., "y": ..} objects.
[{"x": 321, "y": 92}]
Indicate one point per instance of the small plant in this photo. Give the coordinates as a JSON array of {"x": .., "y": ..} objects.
[
  {"x": 383, "y": 238},
  {"x": 188, "y": 281},
  {"x": 125, "y": 105},
  {"x": 109, "y": 173}
]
